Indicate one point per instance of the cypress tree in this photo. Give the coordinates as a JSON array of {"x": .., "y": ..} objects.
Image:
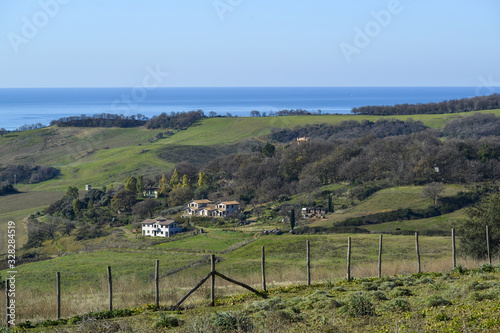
[{"x": 331, "y": 209}]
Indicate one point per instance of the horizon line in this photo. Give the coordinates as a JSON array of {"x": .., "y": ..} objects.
[{"x": 239, "y": 87}]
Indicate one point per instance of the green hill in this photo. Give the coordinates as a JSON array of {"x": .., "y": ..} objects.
[
  {"x": 100, "y": 156},
  {"x": 395, "y": 198}
]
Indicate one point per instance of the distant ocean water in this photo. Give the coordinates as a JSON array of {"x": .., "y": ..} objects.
[{"x": 29, "y": 106}]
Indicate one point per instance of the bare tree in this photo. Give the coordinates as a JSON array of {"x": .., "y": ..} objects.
[{"x": 432, "y": 191}]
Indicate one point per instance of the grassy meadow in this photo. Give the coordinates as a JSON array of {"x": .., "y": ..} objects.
[
  {"x": 17, "y": 207},
  {"x": 396, "y": 198}
]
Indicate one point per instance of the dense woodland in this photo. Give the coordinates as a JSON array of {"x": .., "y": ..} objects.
[
  {"x": 7, "y": 189},
  {"x": 452, "y": 106},
  {"x": 101, "y": 120},
  {"x": 175, "y": 120},
  {"x": 350, "y": 129}
]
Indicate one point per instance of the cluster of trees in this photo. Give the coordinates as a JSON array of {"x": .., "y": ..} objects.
[
  {"x": 293, "y": 112},
  {"x": 101, "y": 120},
  {"x": 349, "y": 129},
  {"x": 473, "y": 231},
  {"x": 123, "y": 204},
  {"x": 284, "y": 112},
  {"x": 93, "y": 208},
  {"x": 26, "y": 174},
  {"x": 175, "y": 120},
  {"x": 418, "y": 158},
  {"x": 7, "y": 189},
  {"x": 84, "y": 218},
  {"x": 474, "y": 127},
  {"x": 29, "y": 127},
  {"x": 452, "y": 106}
]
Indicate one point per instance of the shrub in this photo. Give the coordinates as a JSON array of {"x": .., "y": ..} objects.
[
  {"x": 478, "y": 297},
  {"x": 475, "y": 286},
  {"x": 359, "y": 305},
  {"x": 368, "y": 286},
  {"x": 442, "y": 317},
  {"x": 388, "y": 285},
  {"x": 399, "y": 304},
  {"x": 436, "y": 300},
  {"x": 165, "y": 320},
  {"x": 378, "y": 295},
  {"x": 400, "y": 291},
  {"x": 232, "y": 321}
]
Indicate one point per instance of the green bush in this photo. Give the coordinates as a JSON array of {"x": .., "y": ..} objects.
[
  {"x": 232, "y": 321},
  {"x": 378, "y": 295},
  {"x": 359, "y": 305},
  {"x": 478, "y": 297},
  {"x": 165, "y": 320},
  {"x": 399, "y": 304},
  {"x": 400, "y": 291},
  {"x": 436, "y": 300},
  {"x": 369, "y": 286},
  {"x": 388, "y": 285}
]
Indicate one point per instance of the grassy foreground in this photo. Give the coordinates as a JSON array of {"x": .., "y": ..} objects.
[
  {"x": 456, "y": 301},
  {"x": 184, "y": 262}
]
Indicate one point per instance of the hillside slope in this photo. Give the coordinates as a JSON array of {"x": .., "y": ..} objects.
[{"x": 100, "y": 156}]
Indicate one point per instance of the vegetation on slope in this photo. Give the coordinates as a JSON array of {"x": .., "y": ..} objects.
[{"x": 451, "y": 106}]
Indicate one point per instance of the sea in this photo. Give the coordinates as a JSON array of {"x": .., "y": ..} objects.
[{"x": 28, "y": 106}]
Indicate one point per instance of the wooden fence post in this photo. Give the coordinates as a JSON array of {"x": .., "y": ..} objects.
[
  {"x": 380, "y": 257},
  {"x": 110, "y": 289},
  {"x": 212, "y": 287},
  {"x": 157, "y": 284},
  {"x": 308, "y": 263},
  {"x": 417, "y": 248},
  {"x": 349, "y": 258},
  {"x": 453, "y": 248},
  {"x": 7, "y": 302},
  {"x": 488, "y": 243},
  {"x": 58, "y": 282},
  {"x": 263, "y": 269}
]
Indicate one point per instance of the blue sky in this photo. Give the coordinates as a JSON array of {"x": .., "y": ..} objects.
[{"x": 111, "y": 43}]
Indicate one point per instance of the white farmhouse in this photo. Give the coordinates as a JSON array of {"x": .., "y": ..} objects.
[
  {"x": 207, "y": 208},
  {"x": 226, "y": 208},
  {"x": 160, "y": 227}
]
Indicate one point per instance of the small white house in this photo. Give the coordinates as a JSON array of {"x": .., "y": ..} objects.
[
  {"x": 225, "y": 208},
  {"x": 160, "y": 227},
  {"x": 151, "y": 192}
]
